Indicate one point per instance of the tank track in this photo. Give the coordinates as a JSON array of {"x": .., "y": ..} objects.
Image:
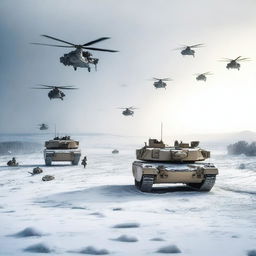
[
  {"x": 48, "y": 161},
  {"x": 146, "y": 183},
  {"x": 206, "y": 185},
  {"x": 76, "y": 160}
]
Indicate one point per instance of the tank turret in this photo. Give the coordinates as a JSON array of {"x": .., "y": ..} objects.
[
  {"x": 62, "y": 143},
  {"x": 180, "y": 152}
]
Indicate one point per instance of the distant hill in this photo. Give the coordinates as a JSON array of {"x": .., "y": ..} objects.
[
  {"x": 215, "y": 140},
  {"x": 230, "y": 137},
  {"x": 19, "y": 147},
  {"x": 221, "y": 138}
]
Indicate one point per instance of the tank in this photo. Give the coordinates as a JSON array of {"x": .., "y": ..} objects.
[
  {"x": 62, "y": 149},
  {"x": 181, "y": 163}
]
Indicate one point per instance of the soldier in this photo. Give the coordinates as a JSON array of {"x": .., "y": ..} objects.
[
  {"x": 84, "y": 161},
  {"x": 12, "y": 162}
]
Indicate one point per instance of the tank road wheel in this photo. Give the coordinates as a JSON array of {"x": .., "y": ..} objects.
[
  {"x": 48, "y": 161},
  {"x": 146, "y": 183},
  {"x": 206, "y": 185}
]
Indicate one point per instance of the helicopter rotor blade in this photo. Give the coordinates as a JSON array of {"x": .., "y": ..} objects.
[
  {"x": 96, "y": 41},
  {"x": 225, "y": 60},
  {"x": 196, "y": 45},
  {"x": 69, "y": 88},
  {"x": 60, "y": 40},
  {"x": 207, "y": 73},
  {"x": 162, "y": 79},
  {"x": 244, "y": 59},
  {"x": 37, "y": 88},
  {"x": 44, "y": 86},
  {"x": 237, "y": 58},
  {"x": 65, "y": 88},
  {"x": 98, "y": 49},
  {"x": 47, "y": 86},
  {"x": 54, "y": 45},
  {"x": 180, "y": 48}
]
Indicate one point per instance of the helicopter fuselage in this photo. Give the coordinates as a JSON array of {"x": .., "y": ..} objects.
[
  {"x": 160, "y": 84},
  {"x": 188, "y": 51},
  {"x": 79, "y": 59},
  {"x": 233, "y": 65},
  {"x": 201, "y": 78},
  {"x": 56, "y": 94},
  {"x": 128, "y": 112}
]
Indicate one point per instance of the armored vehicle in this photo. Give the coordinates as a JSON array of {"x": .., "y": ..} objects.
[
  {"x": 62, "y": 149},
  {"x": 181, "y": 163},
  {"x": 115, "y": 151}
]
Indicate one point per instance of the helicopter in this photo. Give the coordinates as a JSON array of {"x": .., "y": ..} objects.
[
  {"x": 128, "y": 111},
  {"x": 233, "y": 64},
  {"x": 187, "y": 49},
  {"x": 202, "y": 77},
  {"x": 43, "y": 127},
  {"x": 55, "y": 92},
  {"x": 159, "y": 83},
  {"x": 78, "y": 57}
]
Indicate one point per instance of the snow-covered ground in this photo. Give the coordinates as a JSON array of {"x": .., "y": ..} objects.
[{"x": 98, "y": 211}]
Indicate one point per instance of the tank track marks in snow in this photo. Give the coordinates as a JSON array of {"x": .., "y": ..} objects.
[
  {"x": 146, "y": 183},
  {"x": 206, "y": 185}
]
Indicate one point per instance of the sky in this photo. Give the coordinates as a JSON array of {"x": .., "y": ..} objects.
[{"x": 145, "y": 32}]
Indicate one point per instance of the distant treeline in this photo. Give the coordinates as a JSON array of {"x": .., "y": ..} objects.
[
  {"x": 242, "y": 147},
  {"x": 19, "y": 147}
]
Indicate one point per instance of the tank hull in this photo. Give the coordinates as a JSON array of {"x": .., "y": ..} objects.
[
  {"x": 200, "y": 176},
  {"x": 62, "y": 155}
]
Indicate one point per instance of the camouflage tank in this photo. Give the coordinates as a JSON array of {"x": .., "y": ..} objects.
[
  {"x": 62, "y": 149},
  {"x": 181, "y": 163}
]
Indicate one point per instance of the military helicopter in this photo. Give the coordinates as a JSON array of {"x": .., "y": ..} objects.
[
  {"x": 159, "y": 83},
  {"x": 43, "y": 127},
  {"x": 233, "y": 64},
  {"x": 55, "y": 92},
  {"x": 128, "y": 111},
  {"x": 202, "y": 77},
  {"x": 78, "y": 57},
  {"x": 187, "y": 49}
]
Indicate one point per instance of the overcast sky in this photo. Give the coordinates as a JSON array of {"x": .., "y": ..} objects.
[{"x": 145, "y": 32}]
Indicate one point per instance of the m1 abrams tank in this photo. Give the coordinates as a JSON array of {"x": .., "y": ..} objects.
[
  {"x": 159, "y": 163},
  {"x": 62, "y": 149}
]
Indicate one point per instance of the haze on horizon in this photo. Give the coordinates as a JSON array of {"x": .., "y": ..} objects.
[{"x": 145, "y": 32}]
